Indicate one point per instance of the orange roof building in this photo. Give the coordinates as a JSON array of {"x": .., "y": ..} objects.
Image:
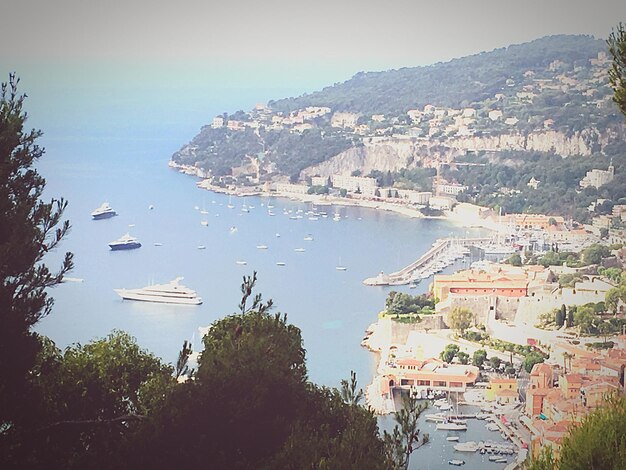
[
  {"x": 431, "y": 373},
  {"x": 480, "y": 283}
]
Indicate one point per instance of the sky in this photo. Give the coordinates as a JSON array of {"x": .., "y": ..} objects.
[
  {"x": 333, "y": 39},
  {"x": 283, "y": 48}
]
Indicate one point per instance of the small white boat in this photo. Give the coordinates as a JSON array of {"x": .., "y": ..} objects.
[
  {"x": 72, "y": 279},
  {"x": 445, "y": 407},
  {"x": 241, "y": 262},
  {"x": 299, "y": 250},
  {"x": 281, "y": 263},
  {"x": 201, "y": 247},
  {"x": 278, "y": 235},
  {"x": 158, "y": 244},
  {"x": 261, "y": 247},
  {"x": 233, "y": 229},
  {"x": 456, "y": 462},
  {"x": 308, "y": 238},
  {"x": 204, "y": 223},
  {"x": 150, "y": 207},
  {"x": 341, "y": 268},
  {"x": 448, "y": 426},
  {"x": 469, "y": 446},
  {"x": 452, "y": 438}
]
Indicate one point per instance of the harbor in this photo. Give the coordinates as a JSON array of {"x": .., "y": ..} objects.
[{"x": 443, "y": 253}]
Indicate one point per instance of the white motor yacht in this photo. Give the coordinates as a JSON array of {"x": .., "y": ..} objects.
[
  {"x": 171, "y": 293},
  {"x": 103, "y": 212}
]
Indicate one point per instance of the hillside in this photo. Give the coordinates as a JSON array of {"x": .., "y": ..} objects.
[
  {"x": 458, "y": 83},
  {"x": 549, "y": 97}
]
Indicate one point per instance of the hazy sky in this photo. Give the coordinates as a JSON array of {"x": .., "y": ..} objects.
[
  {"x": 83, "y": 57},
  {"x": 342, "y": 35}
]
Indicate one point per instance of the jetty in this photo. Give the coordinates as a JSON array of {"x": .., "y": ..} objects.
[{"x": 442, "y": 254}]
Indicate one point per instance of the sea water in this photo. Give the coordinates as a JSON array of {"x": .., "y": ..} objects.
[{"x": 88, "y": 163}]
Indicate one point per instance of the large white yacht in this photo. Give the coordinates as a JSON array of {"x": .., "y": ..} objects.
[
  {"x": 103, "y": 212},
  {"x": 171, "y": 293}
]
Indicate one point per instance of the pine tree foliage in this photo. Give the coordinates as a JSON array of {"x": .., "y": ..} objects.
[
  {"x": 29, "y": 228},
  {"x": 617, "y": 73}
]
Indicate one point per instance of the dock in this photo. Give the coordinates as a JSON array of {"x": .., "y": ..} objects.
[{"x": 443, "y": 253}]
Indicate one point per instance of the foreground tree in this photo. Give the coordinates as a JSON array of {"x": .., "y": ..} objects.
[
  {"x": 406, "y": 437},
  {"x": 91, "y": 398},
  {"x": 29, "y": 228},
  {"x": 251, "y": 406},
  {"x": 598, "y": 442},
  {"x": 617, "y": 73}
]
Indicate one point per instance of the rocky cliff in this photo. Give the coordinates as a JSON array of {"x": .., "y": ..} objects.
[{"x": 395, "y": 153}]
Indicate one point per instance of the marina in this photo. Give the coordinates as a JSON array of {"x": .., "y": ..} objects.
[{"x": 443, "y": 253}]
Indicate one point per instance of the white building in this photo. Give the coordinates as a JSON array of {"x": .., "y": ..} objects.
[
  {"x": 319, "y": 181},
  {"x": 597, "y": 178},
  {"x": 495, "y": 114},
  {"x": 342, "y": 119},
  {"x": 450, "y": 188},
  {"x": 218, "y": 121},
  {"x": 353, "y": 183}
]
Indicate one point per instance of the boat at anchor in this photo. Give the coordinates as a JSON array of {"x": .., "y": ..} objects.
[{"x": 171, "y": 293}]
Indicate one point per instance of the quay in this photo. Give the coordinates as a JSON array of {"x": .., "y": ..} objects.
[{"x": 443, "y": 253}]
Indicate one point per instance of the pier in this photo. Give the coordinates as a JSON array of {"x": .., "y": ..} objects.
[{"x": 443, "y": 253}]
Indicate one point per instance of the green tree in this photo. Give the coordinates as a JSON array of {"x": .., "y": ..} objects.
[
  {"x": 613, "y": 297},
  {"x": 251, "y": 406},
  {"x": 463, "y": 357},
  {"x": 479, "y": 357},
  {"x": 560, "y": 316},
  {"x": 460, "y": 319},
  {"x": 29, "y": 228},
  {"x": 515, "y": 260},
  {"x": 617, "y": 72},
  {"x": 92, "y": 399},
  {"x": 598, "y": 442},
  {"x": 494, "y": 362},
  {"x": 405, "y": 437},
  {"x": 449, "y": 353},
  {"x": 531, "y": 359}
]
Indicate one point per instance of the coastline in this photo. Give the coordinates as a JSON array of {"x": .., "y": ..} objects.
[{"x": 461, "y": 219}]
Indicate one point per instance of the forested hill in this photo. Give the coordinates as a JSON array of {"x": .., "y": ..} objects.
[
  {"x": 457, "y": 83},
  {"x": 551, "y": 96}
]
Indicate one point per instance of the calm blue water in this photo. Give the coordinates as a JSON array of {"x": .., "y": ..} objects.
[
  {"x": 122, "y": 158},
  {"x": 332, "y": 307}
]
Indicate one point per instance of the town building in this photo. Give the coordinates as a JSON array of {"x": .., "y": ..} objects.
[
  {"x": 218, "y": 121},
  {"x": 502, "y": 390},
  {"x": 355, "y": 183},
  {"x": 479, "y": 283},
  {"x": 431, "y": 373},
  {"x": 596, "y": 178}
]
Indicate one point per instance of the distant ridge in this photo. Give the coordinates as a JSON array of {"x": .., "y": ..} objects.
[{"x": 456, "y": 83}]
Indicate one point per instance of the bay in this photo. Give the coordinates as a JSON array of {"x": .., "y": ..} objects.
[
  {"x": 89, "y": 162},
  {"x": 332, "y": 307}
]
